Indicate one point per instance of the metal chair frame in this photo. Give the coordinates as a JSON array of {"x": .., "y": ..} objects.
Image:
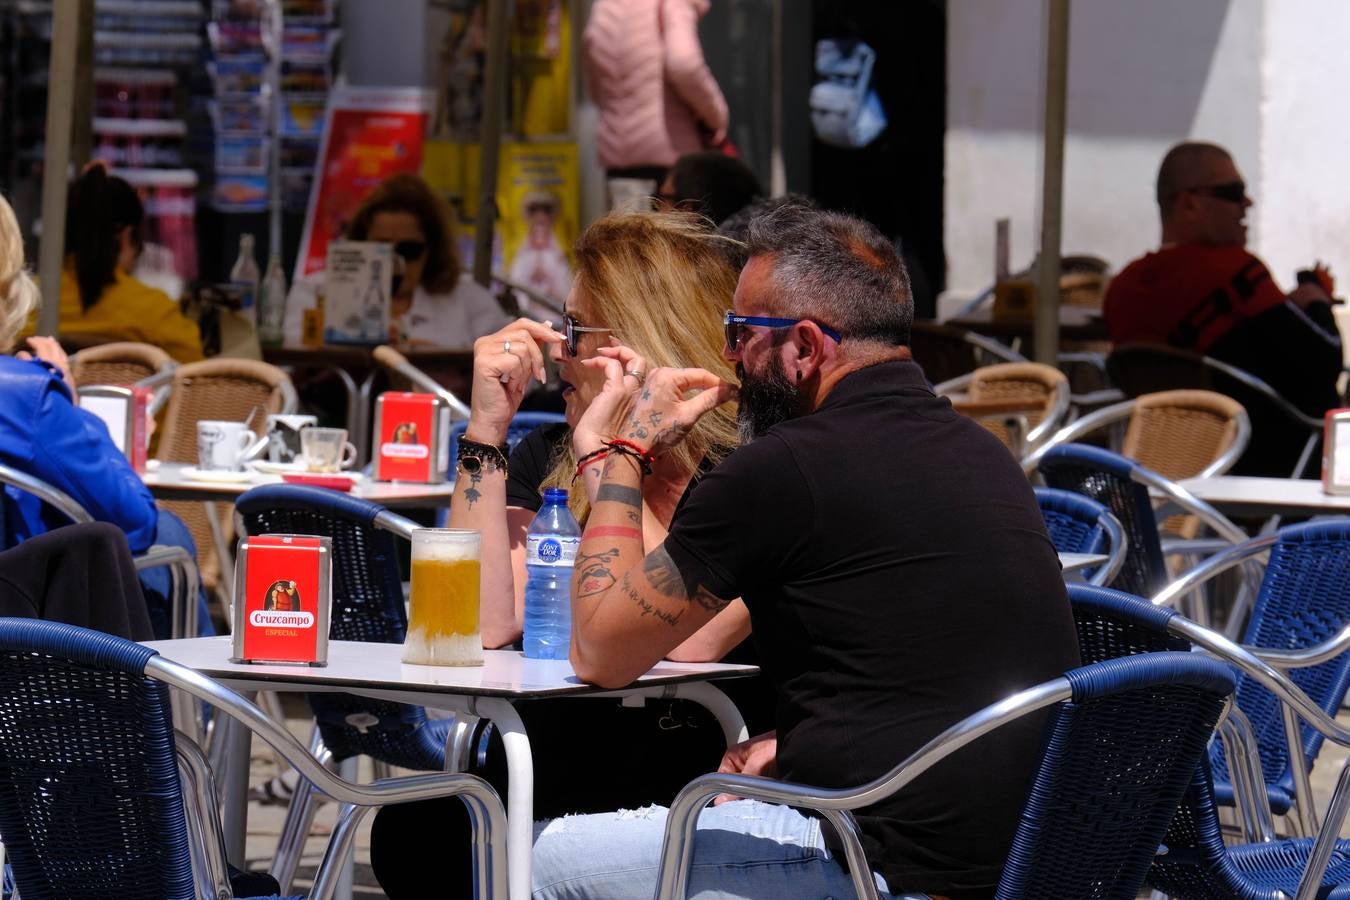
[
  {"x": 835, "y": 805},
  {"x": 159, "y": 382},
  {"x": 201, "y": 810},
  {"x": 1117, "y": 543},
  {"x": 300, "y": 812},
  {"x": 182, "y": 567}
]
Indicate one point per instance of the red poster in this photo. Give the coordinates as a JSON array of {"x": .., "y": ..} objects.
[
  {"x": 368, "y": 135},
  {"x": 406, "y": 436},
  {"x": 283, "y": 588}
]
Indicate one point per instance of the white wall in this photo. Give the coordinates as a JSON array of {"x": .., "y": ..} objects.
[{"x": 1143, "y": 75}]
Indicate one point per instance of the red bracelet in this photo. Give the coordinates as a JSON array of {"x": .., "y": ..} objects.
[
  {"x": 594, "y": 456},
  {"x": 644, "y": 455}
]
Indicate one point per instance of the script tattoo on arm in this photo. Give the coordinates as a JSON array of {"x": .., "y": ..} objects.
[
  {"x": 596, "y": 577},
  {"x": 667, "y": 579}
]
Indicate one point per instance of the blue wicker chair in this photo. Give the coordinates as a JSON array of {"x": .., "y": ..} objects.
[
  {"x": 1079, "y": 524},
  {"x": 1122, "y": 740},
  {"x": 92, "y": 802},
  {"x": 1304, "y": 601},
  {"x": 1123, "y": 486},
  {"x": 1197, "y": 865},
  {"x": 367, "y": 606}
]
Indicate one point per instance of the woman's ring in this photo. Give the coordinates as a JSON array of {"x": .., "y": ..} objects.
[
  {"x": 506, "y": 346},
  {"x": 638, "y": 375}
]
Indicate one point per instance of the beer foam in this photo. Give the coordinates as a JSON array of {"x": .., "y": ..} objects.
[
  {"x": 446, "y": 551},
  {"x": 421, "y": 648}
]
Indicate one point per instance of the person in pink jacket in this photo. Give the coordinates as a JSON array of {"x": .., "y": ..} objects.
[{"x": 657, "y": 99}]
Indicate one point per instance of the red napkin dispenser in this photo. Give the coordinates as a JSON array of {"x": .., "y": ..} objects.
[
  {"x": 283, "y": 597},
  {"x": 411, "y": 437}
]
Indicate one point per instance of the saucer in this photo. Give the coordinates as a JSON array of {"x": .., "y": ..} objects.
[
  {"x": 223, "y": 476},
  {"x": 299, "y": 468}
]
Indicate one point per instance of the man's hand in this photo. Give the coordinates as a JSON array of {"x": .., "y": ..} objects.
[
  {"x": 503, "y": 364},
  {"x": 757, "y": 756},
  {"x": 49, "y": 350}
]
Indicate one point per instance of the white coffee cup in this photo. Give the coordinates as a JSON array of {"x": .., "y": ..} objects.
[{"x": 222, "y": 445}]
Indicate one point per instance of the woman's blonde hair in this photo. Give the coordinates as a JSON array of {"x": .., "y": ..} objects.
[
  {"x": 661, "y": 283},
  {"x": 18, "y": 293}
]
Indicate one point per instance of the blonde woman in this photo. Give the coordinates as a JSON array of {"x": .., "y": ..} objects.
[
  {"x": 654, "y": 285},
  {"x": 44, "y": 433}
]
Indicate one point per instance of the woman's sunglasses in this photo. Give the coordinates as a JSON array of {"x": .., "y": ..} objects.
[
  {"x": 410, "y": 250},
  {"x": 1232, "y": 192},
  {"x": 572, "y": 331}
]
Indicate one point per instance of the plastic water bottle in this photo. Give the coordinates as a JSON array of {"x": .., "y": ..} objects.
[{"x": 550, "y": 552}]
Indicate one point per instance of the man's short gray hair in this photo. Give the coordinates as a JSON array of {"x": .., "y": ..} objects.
[{"x": 837, "y": 269}]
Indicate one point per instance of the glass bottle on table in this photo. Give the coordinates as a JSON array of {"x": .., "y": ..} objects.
[
  {"x": 244, "y": 276},
  {"x": 272, "y": 304}
]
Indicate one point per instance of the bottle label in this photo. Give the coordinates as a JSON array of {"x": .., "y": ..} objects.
[{"x": 551, "y": 550}]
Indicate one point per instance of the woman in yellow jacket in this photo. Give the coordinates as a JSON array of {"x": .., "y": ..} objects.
[{"x": 99, "y": 300}]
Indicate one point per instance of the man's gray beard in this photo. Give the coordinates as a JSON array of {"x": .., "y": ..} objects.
[{"x": 765, "y": 400}]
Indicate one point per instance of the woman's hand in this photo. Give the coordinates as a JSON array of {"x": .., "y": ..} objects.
[
  {"x": 625, "y": 372},
  {"x": 49, "y": 350},
  {"x": 660, "y": 415},
  {"x": 503, "y": 364}
]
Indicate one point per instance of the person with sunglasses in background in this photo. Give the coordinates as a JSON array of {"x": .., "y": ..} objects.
[
  {"x": 1203, "y": 291},
  {"x": 434, "y": 301},
  {"x": 650, "y": 291}
]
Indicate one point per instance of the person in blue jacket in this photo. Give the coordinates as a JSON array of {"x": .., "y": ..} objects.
[{"x": 44, "y": 433}]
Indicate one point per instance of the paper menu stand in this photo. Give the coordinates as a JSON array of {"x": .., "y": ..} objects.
[
  {"x": 411, "y": 437},
  {"x": 358, "y": 281},
  {"x": 122, "y": 409},
  {"x": 283, "y": 599},
  {"x": 1336, "y": 451}
]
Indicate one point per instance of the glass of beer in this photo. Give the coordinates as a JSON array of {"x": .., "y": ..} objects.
[{"x": 443, "y": 614}]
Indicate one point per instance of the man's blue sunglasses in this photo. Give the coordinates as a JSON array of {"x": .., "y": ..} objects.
[{"x": 734, "y": 323}]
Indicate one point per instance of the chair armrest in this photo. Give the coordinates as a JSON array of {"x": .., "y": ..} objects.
[
  {"x": 1308, "y": 656},
  {"x": 677, "y": 844},
  {"x": 1210, "y": 568},
  {"x": 1053, "y": 418},
  {"x": 1293, "y": 412},
  {"x": 399, "y": 525},
  {"x": 52, "y": 496},
  {"x": 1190, "y": 503}
]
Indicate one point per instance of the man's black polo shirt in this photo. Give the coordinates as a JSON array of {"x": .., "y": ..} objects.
[{"x": 899, "y": 577}]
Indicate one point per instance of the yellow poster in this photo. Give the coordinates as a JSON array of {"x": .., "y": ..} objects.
[{"x": 539, "y": 213}]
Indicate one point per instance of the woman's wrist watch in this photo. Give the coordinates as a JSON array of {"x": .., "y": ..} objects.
[{"x": 475, "y": 457}]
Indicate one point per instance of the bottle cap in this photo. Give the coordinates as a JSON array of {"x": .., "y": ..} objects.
[{"x": 555, "y": 495}]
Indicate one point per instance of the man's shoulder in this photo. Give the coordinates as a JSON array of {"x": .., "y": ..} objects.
[{"x": 1188, "y": 257}]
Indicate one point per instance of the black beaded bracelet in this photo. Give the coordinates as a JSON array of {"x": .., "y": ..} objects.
[{"x": 475, "y": 456}]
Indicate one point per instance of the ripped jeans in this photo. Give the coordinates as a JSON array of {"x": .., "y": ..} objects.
[{"x": 742, "y": 849}]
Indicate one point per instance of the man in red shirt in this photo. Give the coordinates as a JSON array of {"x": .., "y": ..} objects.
[{"x": 1202, "y": 291}]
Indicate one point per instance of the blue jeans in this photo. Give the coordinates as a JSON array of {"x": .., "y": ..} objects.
[
  {"x": 157, "y": 585},
  {"x": 742, "y": 849}
]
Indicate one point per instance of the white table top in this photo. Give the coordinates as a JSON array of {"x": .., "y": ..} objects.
[
  {"x": 169, "y": 481},
  {"x": 359, "y": 665},
  {"x": 1242, "y": 495}
]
